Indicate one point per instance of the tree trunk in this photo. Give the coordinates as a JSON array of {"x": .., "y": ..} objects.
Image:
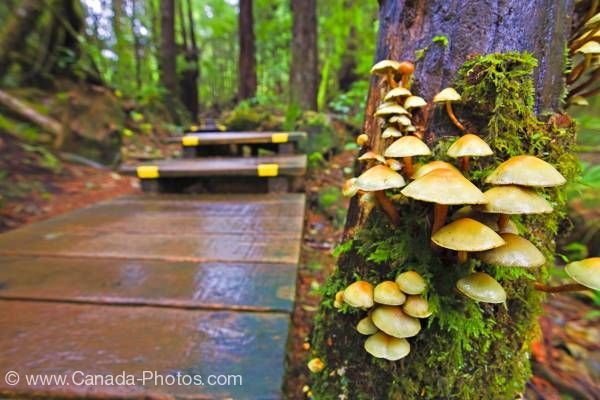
[
  {"x": 189, "y": 77},
  {"x": 304, "y": 70},
  {"x": 465, "y": 350},
  {"x": 168, "y": 55},
  {"x": 247, "y": 63}
]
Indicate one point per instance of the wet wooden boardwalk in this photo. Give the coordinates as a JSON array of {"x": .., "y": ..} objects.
[{"x": 160, "y": 289}]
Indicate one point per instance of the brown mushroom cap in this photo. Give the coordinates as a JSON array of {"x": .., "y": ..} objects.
[
  {"x": 394, "y": 322},
  {"x": 390, "y": 131},
  {"x": 430, "y": 166},
  {"x": 481, "y": 287},
  {"x": 359, "y": 294},
  {"x": 448, "y": 94},
  {"x": 388, "y": 293},
  {"x": 384, "y": 346},
  {"x": 407, "y": 146},
  {"x": 526, "y": 170},
  {"x": 585, "y": 272},
  {"x": 366, "y": 327},
  {"x": 414, "y": 102},
  {"x": 383, "y": 66},
  {"x": 517, "y": 252},
  {"x": 362, "y": 139},
  {"x": 410, "y": 282},
  {"x": 396, "y": 93},
  {"x": 379, "y": 177},
  {"x": 467, "y": 234},
  {"x": 511, "y": 199},
  {"x": 416, "y": 306},
  {"x": 469, "y": 145},
  {"x": 406, "y": 67},
  {"x": 444, "y": 186}
]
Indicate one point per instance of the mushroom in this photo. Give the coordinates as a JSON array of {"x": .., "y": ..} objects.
[
  {"x": 339, "y": 299},
  {"x": 384, "y": 346},
  {"x": 448, "y": 96},
  {"x": 407, "y": 147},
  {"x": 526, "y": 170},
  {"x": 366, "y": 327},
  {"x": 391, "y": 110},
  {"x": 585, "y": 272},
  {"x": 467, "y": 235},
  {"x": 396, "y": 94},
  {"x": 386, "y": 68},
  {"x": 443, "y": 187},
  {"x": 578, "y": 101},
  {"x": 511, "y": 199},
  {"x": 388, "y": 293},
  {"x": 410, "y": 282},
  {"x": 393, "y": 164},
  {"x": 359, "y": 294},
  {"x": 516, "y": 252},
  {"x": 406, "y": 68},
  {"x": 349, "y": 188},
  {"x": 588, "y": 49},
  {"x": 362, "y": 139},
  {"x": 481, "y": 287},
  {"x": 401, "y": 120},
  {"x": 393, "y": 321},
  {"x": 377, "y": 179},
  {"x": 414, "y": 102},
  {"x": 316, "y": 365},
  {"x": 430, "y": 166},
  {"x": 390, "y": 131},
  {"x": 371, "y": 155},
  {"x": 416, "y": 306},
  {"x": 488, "y": 219},
  {"x": 469, "y": 145}
]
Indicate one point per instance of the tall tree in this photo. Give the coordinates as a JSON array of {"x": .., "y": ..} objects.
[
  {"x": 304, "y": 69},
  {"x": 506, "y": 58},
  {"x": 189, "y": 78},
  {"x": 168, "y": 55},
  {"x": 247, "y": 61}
]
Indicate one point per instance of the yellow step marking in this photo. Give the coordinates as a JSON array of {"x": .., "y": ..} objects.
[
  {"x": 147, "y": 171},
  {"x": 268, "y": 169},
  {"x": 190, "y": 140},
  {"x": 279, "y": 138},
  {"x": 194, "y": 128}
]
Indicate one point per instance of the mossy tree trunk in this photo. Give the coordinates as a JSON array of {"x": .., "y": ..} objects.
[{"x": 507, "y": 60}]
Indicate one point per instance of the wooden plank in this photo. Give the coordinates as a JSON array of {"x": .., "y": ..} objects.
[
  {"x": 240, "y": 286},
  {"x": 288, "y": 165},
  {"x": 60, "y": 339},
  {"x": 247, "y": 137}
]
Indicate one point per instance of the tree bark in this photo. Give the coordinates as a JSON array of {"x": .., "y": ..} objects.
[
  {"x": 189, "y": 77},
  {"x": 168, "y": 55},
  {"x": 447, "y": 360},
  {"x": 304, "y": 69},
  {"x": 247, "y": 62}
]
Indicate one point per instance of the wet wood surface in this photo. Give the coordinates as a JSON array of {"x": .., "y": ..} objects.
[{"x": 210, "y": 138}]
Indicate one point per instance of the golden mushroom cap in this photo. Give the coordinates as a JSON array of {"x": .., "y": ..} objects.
[
  {"x": 387, "y": 104},
  {"x": 339, "y": 299},
  {"x": 410, "y": 282},
  {"x": 511, "y": 199},
  {"x": 416, "y": 306},
  {"x": 396, "y": 93},
  {"x": 407, "y": 146},
  {"x": 591, "y": 47},
  {"x": 371, "y": 155},
  {"x": 381, "y": 345},
  {"x": 393, "y": 321},
  {"x": 444, "y": 186},
  {"x": 585, "y": 272},
  {"x": 383, "y": 66},
  {"x": 401, "y": 119},
  {"x": 390, "y": 131},
  {"x": 394, "y": 109},
  {"x": 448, "y": 94},
  {"x": 414, "y": 102},
  {"x": 349, "y": 187},
  {"x": 430, "y": 166},
  {"x": 469, "y": 145},
  {"x": 379, "y": 177},
  {"x": 481, "y": 287},
  {"x": 362, "y": 139},
  {"x": 578, "y": 101},
  {"x": 467, "y": 234},
  {"x": 366, "y": 327},
  {"x": 517, "y": 252},
  {"x": 315, "y": 365},
  {"x": 393, "y": 164},
  {"x": 359, "y": 294},
  {"x": 388, "y": 293},
  {"x": 526, "y": 170}
]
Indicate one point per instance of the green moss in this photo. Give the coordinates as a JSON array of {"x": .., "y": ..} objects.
[{"x": 466, "y": 350}]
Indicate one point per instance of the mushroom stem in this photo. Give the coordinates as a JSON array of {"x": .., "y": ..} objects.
[
  {"x": 464, "y": 163},
  {"x": 570, "y": 287},
  {"x": 440, "y": 211},
  {"x": 408, "y": 166},
  {"x": 463, "y": 257},
  {"x": 387, "y": 207},
  {"x": 390, "y": 79},
  {"x": 453, "y": 118},
  {"x": 405, "y": 80},
  {"x": 503, "y": 221}
]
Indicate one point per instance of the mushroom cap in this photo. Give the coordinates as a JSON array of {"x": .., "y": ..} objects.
[
  {"x": 387, "y": 104},
  {"x": 407, "y": 146},
  {"x": 585, "y": 272},
  {"x": 391, "y": 131},
  {"x": 416, "y": 306},
  {"x": 315, "y": 365},
  {"x": 362, "y": 139},
  {"x": 444, "y": 186},
  {"x": 526, "y": 170},
  {"x": 517, "y": 252},
  {"x": 400, "y": 119},
  {"x": 591, "y": 47},
  {"x": 390, "y": 110},
  {"x": 383, "y": 66},
  {"x": 385, "y": 346},
  {"x": 410, "y": 282},
  {"x": 511, "y": 199},
  {"x": 366, "y": 327},
  {"x": 393, "y": 164},
  {"x": 359, "y": 294},
  {"x": 414, "y": 102},
  {"x": 578, "y": 101},
  {"x": 406, "y": 67},
  {"x": 410, "y": 129},
  {"x": 393, "y": 321},
  {"x": 379, "y": 177},
  {"x": 467, "y": 234},
  {"x": 430, "y": 166},
  {"x": 448, "y": 94},
  {"x": 339, "y": 299},
  {"x": 388, "y": 293},
  {"x": 349, "y": 187},
  {"x": 396, "y": 93},
  {"x": 481, "y": 287},
  {"x": 371, "y": 155},
  {"x": 469, "y": 145}
]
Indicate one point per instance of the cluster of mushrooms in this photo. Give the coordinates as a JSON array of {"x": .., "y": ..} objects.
[{"x": 482, "y": 226}]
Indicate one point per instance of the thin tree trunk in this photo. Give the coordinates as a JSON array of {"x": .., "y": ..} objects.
[
  {"x": 304, "y": 69},
  {"x": 247, "y": 63},
  {"x": 168, "y": 55},
  {"x": 137, "y": 48},
  {"x": 194, "y": 71}
]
